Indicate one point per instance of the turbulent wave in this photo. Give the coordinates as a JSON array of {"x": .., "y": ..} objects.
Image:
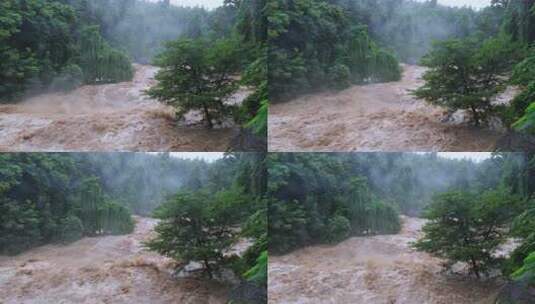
[
  {"x": 380, "y": 269},
  {"x": 103, "y": 117},
  {"x": 110, "y": 269}
]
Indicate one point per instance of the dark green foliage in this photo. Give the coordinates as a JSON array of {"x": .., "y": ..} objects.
[
  {"x": 520, "y": 107},
  {"x": 202, "y": 225},
  {"x": 338, "y": 229},
  {"x": 467, "y": 74},
  {"x": 287, "y": 223},
  {"x": 99, "y": 62},
  {"x": 527, "y": 271},
  {"x": 70, "y": 77},
  {"x": 467, "y": 227},
  {"x": 524, "y": 72},
  {"x": 259, "y": 272},
  {"x": 523, "y": 105},
  {"x": 116, "y": 219},
  {"x": 70, "y": 229},
  {"x": 197, "y": 75},
  {"x": 314, "y": 44},
  {"x": 524, "y": 225},
  {"x": 313, "y": 199},
  {"x": 518, "y": 255},
  {"x": 519, "y": 20},
  {"x": 51, "y": 198},
  {"x": 19, "y": 224},
  {"x": 193, "y": 229},
  {"x": 44, "y": 44},
  {"x": 35, "y": 44}
]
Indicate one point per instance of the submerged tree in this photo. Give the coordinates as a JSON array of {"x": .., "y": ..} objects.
[
  {"x": 465, "y": 227},
  {"x": 193, "y": 229},
  {"x": 465, "y": 74},
  {"x": 197, "y": 75}
]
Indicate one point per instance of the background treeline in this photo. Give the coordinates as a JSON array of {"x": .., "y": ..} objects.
[
  {"x": 49, "y": 198},
  {"x": 316, "y": 198},
  {"x": 409, "y": 28},
  {"x": 60, "y": 44},
  {"x": 48, "y": 44},
  {"x": 62, "y": 197},
  {"x": 328, "y": 197},
  {"x": 319, "y": 44}
]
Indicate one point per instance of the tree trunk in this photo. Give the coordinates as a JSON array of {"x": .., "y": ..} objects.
[
  {"x": 475, "y": 268},
  {"x": 208, "y": 269},
  {"x": 476, "y": 116},
  {"x": 208, "y": 117}
]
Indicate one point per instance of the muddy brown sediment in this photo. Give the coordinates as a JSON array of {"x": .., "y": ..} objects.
[
  {"x": 108, "y": 269},
  {"x": 374, "y": 117},
  {"x": 111, "y": 117},
  {"x": 379, "y": 269}
]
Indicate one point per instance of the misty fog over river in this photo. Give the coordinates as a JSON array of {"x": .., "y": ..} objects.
[
  {"x": 374, "y": 117},
  {"x": 103, "y": 117},
  {"x": 381, "y": 269},
  {"x": 107, "y": 269}
]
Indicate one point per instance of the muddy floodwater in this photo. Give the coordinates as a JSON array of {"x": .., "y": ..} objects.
[
  {"x": 380, "y": 269},
  {"x": 109, "y": 269},
  {"x": 375, "y": 117},
  {"x": 111, "y": 117}
]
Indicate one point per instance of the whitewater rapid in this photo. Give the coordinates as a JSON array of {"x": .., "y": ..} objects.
[
  {"x": 110, "y": 117},
  {"x": 108, "y": 269},
  {"x": 373, "y": 117},
  {"x": 380, "y": 269}
]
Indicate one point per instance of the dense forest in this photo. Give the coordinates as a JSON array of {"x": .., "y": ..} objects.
[
  {"x": 49, "y": 189},
  {"x": 332, "y": 44},
  {"x": 472, "y": 207},
  {"x": 60, "y": 198},
  {"x": 58, "y": 45}
]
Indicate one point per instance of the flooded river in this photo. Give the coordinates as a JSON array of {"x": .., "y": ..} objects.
[
  {"x": 380, "y": 269},
  {"x": 375, "y": 117},
  {"x": 109, "y": 269},
  {"x": 111, "y": 117}
]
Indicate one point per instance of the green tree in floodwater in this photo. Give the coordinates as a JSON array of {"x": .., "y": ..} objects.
[
  {"x": 193, "y": 229},
  {"x": 197, "y": 75},
  {"x": 467, "y": 74},
  {"x": 467, "y": 227}
]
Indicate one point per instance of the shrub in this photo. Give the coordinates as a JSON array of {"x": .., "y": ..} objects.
[
  {"x": 70, "y": 229},
  {"x": 339, "y": 75},
  {"x": 338, "y": 229},
  {"x": 69, "y": 78}
]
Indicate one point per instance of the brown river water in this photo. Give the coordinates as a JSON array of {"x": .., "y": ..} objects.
[
  {"x": 374, "y": 117},
  {"x": 108, "y": 269},
  {"x": 380, "y": 269},
  {"x": 111, "y": 117}
]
